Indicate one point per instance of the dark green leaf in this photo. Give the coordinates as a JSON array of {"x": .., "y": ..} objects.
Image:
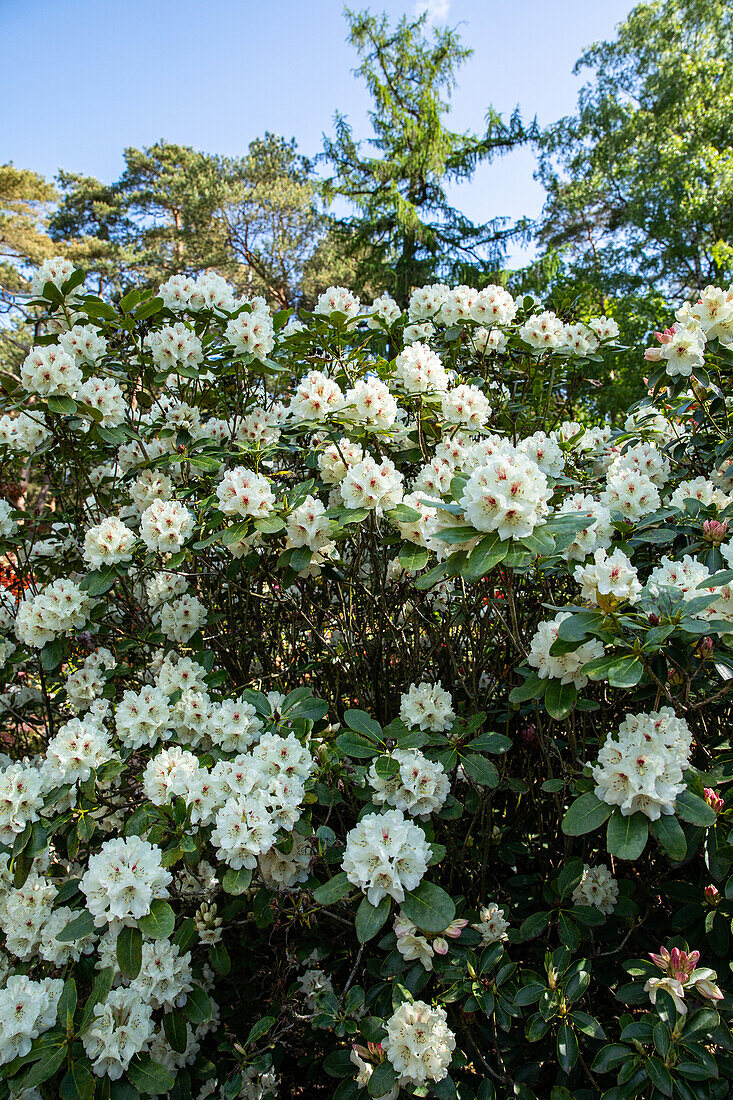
[
  {"x": 668, "y": 831},
  {"x": 160, "y": 922},
  {"x": 586, "y": 814},
  {"x": 149, "y": 1077},
  {"x": 429, "y": 907},
  {"x": 371, "y": 918},
  {"x": 337, "y": 888},
  {"x": 130, "y": 951},
  {"x": 626, "y": 837}
]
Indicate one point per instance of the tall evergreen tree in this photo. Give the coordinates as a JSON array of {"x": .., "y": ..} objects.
[
  {"x": 404, "y": 230},
  {"x": 25, "y": 200},
  {"x": 275, "y": 224}
]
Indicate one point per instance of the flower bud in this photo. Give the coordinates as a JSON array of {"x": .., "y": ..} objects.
[
  {"x": 712, "y": 895},
  {"x": 713, "y": 799},
  {"x": 715, "y": 531}
]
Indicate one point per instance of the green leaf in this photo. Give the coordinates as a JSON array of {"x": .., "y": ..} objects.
[
  {"x": 236, "y": 882},
  {"x": 578, "y": 627},
  {"x": 532, "y": 688},
  {"x": 427, "y": 580},
  {"x": 259, "y": 1029},
  {"x": 61, "y": 405},
  {"x": 78, "y": 1084},
  {"x": 567, "y": 1047},
  {"x": 76, "y": 929},
  {"x": 47, "y": 1065},
  {"x": 569, "y": 877},
  {"x": 52, "y": 654},
  {"x": 586, "y": 814},
  {"x": 98, "y": 993},
  {"x": 413, "y": 557},
  {"x": 402, "y": 513},
  {"x": 370, "y": 918},
  {"x": 386, "y": 767},
  {"x": 490, "y": 742},
  {"x": 219, "y": 958},
  {"x": 160, "y": 922},
  {"x": 130, "y": 951},
  {"x": 668, "y": 831},
  {"x": 560, "y": 699},
  {"x": 356, "y": 745},
  {"x": 481, "y": 770},
  {"x": 148, "y": 308},
  {"x": 337, "y": 888},
  {"x": 176, "y": 1031},
  {"x": 610, "y": 1056},
  {"x": 429, "y": 907},
  {"x": 198, "y": 1007},
  {"x": 99, "y": 580},
  {"x": 382, "y": 1080},
  {"x": 626, "y": 837},
  {"x": 485, "y": 556},
  {"x": 690, "y": 807},
  {"x": 533, "y": 925},
  {"x": 659, "y": 1075},
  {"x": 67, "y": 1004},
  {"x": 360, "y": 721},
  {"x": 149, "y": 1077},
  {"x": 619, "y": 671}
]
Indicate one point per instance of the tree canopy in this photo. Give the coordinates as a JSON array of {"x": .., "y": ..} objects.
[{"x": 403, "y": 231}]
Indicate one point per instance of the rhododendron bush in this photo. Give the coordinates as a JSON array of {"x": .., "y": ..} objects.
[{"x": 365, "y": 707}]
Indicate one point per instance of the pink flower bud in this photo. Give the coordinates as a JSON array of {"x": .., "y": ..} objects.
[
  {"x": 715, "y": 531},
  {"x": 652, "y": 355},
  {"x": 455, "y": 928},
  {"x": 712, "y": 895},
  {"x": 440, "y": 946},
  {"x": 714, "y": 801}
]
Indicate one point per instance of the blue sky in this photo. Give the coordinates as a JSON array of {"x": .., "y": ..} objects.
[{"x": 89, "y": 77}]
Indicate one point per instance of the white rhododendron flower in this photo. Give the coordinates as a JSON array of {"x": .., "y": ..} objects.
[
  {"x": 337, "y": 299},
  {"x": 419, "y": 1043},
  {"x": 121, "y": 1027},
  {"x": 57, "y": 270},
  {"x": 84, "y": 342},
  {"x": 174, "y": 346},
  {"x": 509, "y": 495},
  {"x": 108, "y": 542},
  {"x": 316, "y": 397},
  {"x": 597, "y": 887},
  {"x": 386, "y": 856},
  {"x": 565, "y": 667},
  {"x": 372, "y": 484},
  {"x": 640, "y": 767},
  {"x": 165, "y": 525},
  {"x": 631, "y": 493},
  {"x": 418, "y": 369},
  {"x": 252, "y": 333},
  {"x": 467, "y": 406},
  {"x": 427, "y": 707},
  {"x": 50, "y": 370},
  {"x": 123, "y": 879},
  {"x": 419, "y": 788},
  {"x": 27, "y": 1009},
  {"x": 492, "y": 925},
  {"x": 610, "y": 577}
]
